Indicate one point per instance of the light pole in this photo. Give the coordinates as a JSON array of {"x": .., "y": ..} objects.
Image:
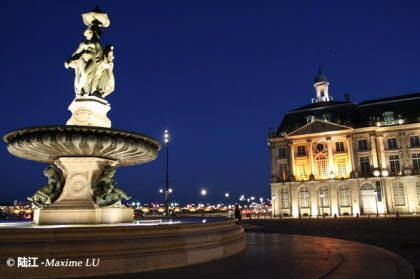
[
  {"x": 203, "y": 193},
  {"x": 322, "y": 204},
  {"x": 166, "y": 140}
]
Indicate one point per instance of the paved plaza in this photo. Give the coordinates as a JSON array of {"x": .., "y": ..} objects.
[{"x": 270, "y": 255}]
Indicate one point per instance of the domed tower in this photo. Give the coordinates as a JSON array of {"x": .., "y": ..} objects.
[{"x": 321, "y": 87}]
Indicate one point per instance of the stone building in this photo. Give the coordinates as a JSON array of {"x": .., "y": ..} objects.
[{"x": 343, "y": 158}]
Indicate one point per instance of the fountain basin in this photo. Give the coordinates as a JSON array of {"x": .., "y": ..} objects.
[
  {"x": 120, "y": 248},
  {"x": 48, "y": 143}
]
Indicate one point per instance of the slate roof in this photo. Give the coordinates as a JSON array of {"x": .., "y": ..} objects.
[{"x": 354, "y": 115}]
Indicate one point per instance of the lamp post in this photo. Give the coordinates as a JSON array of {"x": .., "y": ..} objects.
[
  {"x": 322, "y": 204},
  {"x": 376, "y": 199},
  {"x": 166, "y": 140},
  {"x": 273, "y": 206}
]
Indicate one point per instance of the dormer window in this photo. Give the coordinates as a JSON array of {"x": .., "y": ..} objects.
[
  {"x": 309, "y": 118},
  {"x": 389, "y": 118},
  {"x": 327, "y": 117}
]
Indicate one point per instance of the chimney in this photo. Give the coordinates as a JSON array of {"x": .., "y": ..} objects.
[{"x": 347, "y": 98}]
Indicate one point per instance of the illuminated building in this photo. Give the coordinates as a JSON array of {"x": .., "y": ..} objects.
[{"x": 339, "y": 157}]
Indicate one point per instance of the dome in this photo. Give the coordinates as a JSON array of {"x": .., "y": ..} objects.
[{"x": 320, "y": 77}]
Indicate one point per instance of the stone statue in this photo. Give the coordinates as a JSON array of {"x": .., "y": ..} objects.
[
  {"x": 93, "y": 65},
  {"x": 104, "y": 190},
  {"x": 47, "y": 194}
]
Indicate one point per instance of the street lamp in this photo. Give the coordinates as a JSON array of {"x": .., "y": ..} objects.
[
  {"x": 227, "y": 195},
  {"x": 273, "y": 198},
  {"x": 203, "y": 192},
  {"x": 166, "y": 140},
  {"x": 322, "y": 204},
  {"x": 376, "y": 199}
]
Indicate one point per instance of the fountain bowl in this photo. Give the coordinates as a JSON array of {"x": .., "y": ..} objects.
[{"x": 48, "y": 143}]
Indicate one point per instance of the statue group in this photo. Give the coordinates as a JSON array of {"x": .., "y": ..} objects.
[
  {"x": 104, "y": 192},
  {"x": 92, "y": 64}
]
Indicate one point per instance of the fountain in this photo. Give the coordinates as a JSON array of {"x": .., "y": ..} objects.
[{"x": 79, "y": 215}]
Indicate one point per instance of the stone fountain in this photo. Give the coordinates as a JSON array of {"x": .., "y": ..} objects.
[
  {"x": 86, "y": 149},
  {"x": 79, "y": 215}
]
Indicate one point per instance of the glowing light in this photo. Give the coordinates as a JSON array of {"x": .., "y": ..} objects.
[
  {"x": 227, "y": 195},
  {"x": 170, "y": 190},
  {"x": 161, "y": 191},
  {"x": 385, "y": 173},
  {"x": 332, "y": 175},
  {"x": 376, "y": 173},
  {"x": 203, "y": 192},
  {"x": 166, "y": 136}
]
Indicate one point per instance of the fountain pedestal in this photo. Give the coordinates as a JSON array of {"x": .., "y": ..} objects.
[
  {"x": 89, "y": 111},
  {"x": 75, "y": 204}
]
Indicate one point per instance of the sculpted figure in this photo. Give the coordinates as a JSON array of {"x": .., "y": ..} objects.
[
  {"x": 49, "y": 193},
  {"x": 104, "y": 191},
  {"x": 93, "y": 66}
]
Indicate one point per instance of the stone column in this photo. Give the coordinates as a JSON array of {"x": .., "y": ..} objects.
[
  {"x": 311, "y": 159},
  {"x": 405, "y": 157},
  {"x": 330, "y": 157},
  {"x": 292, "y": 161},
  {"x": 380, "y": 140},
  {"x": 350, "y": 154},
  {"x": 374, "y": 152}
]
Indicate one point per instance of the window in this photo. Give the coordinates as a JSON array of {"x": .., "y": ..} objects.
[
  {"x": 284, "y": 198},
  {"x": 321, "y": 166},
  {"x": 304, "y": 197},
  {"x": 416, "y": 162},
  {"x": 392, "y": 143},
  {"x": 364, "y": 166},
  {"x": 418, "y": 192},
  {"x": 283, "y": 172},
  {"x": 324, "y": 196},
  {"x": 309, "y": 118},
  {"x": 282, "y": 153},
  {"x": 344, "y": 194},
  {"x": 363, "y": 146},
  {"x": 414, "y": 141},
  {"x": 341, "y": 167},
  {"x": 303, "y": 174},
  {"x": 398, "y": 194},
  {"x": 301, "y": 150},
  {"x": 339, "y": 146},
  {"x": 394, "y": 161},
  {"x": 389, "y": 118}
]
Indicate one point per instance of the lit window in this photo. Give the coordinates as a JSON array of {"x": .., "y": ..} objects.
[
  {"x": 341, "y": 167},
  {"x": 344, "y": 196},
  {"x": 392, "y": 143},
  {"x": 282, "y": 153},
  {"x": 304, "y": 197},
  {"x": 301, "y": 150},
  {"x": 394, "y": 161},
  {"x": 398, "y": 194},
  {"x": 363, "y": 146},
  {"x": 364, "y": 166},
  {"x": 324, "y": 196},
  {"x": 414, "y": 141},
  {"x": 321, "y": 166},
  {"x": 309, "y": 118},
  {"x": 339, "y": 146},
  {"x": 418, "y": 192},
  {"x": 283, "y": 172},
  {"x": 284, "y": 198},
  {"x": 389, "y": 118},
  {"x": 416, "y": 162},
  {"x": 303, "y": 173}
]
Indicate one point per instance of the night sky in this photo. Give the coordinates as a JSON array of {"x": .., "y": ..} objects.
[{"x": 217, "y": 73}]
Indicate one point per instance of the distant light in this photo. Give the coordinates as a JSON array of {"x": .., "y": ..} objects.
[
  {"x": 161, "y": 191},
  {"x": 376, "y": 173},
  {"x": 227, "y": 195},
  {"x": 252, "y": 198},
  {"x": 203, "y": 221},
  {"x": 332, "y": 175},
  {"x": 170, "y": 190},
  {"x": 166, "y": 136},
  {"x": 385, "y": 173},
  {"x": 203, "y": 192}
]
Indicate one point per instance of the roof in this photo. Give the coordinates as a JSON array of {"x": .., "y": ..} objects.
[{"x": 350, "y": 114}]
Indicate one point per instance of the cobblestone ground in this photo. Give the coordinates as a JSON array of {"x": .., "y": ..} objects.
[{"x": 402, "y": 235}]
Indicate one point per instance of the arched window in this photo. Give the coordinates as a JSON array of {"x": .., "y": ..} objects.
[
  {"x": 418, "y": 192},
  {"x": 284, "y": 198},
  {"x": 398, "y": 193},
  {"x": 304, "y": 197},
  {"x": 324, "y": 196},
  {"x": 344, "y": 195},
  {"x": 321, "y": 165}
]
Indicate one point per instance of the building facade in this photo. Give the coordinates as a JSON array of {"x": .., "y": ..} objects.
[{"x": 343, "y": 158}]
